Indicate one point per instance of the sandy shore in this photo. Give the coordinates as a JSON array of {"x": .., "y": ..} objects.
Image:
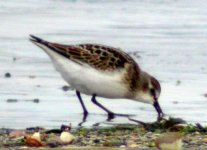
[{"x": 123, "y": 136}]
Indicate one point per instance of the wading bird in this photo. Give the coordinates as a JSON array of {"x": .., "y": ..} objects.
[{"x": 102, "y": 71}]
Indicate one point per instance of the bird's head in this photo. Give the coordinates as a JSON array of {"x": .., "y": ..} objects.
[{"x": 149, "y": 92}]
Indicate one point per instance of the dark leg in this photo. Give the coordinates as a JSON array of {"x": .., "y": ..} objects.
[
  {"x": 83, "y": 120},
  {"x": 85, "y": 112},
  {"x": 110, "y": 113}
]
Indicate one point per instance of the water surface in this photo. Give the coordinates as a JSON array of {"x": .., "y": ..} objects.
[{"x": 169, "y": 36}]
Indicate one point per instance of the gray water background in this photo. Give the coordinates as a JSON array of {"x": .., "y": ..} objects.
[{"x": 170, "y": 37}]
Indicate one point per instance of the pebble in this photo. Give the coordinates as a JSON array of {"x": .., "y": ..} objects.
[
  {"x": 122, "y": 146},
  {"x": 133, "y": 145},
  {"x": 23, "y": 147},
  {"x": 65, "y": 127},
  {"x": 31, "y": 129},
  {"x": 36, "y": 100},
  {"x": 66, "y": 137},
  {"x": 32, "y": 76},
  {"x": 178, "y": 82},
  {"x": 11, "y": 100},
  {"x": 33, "y": 142},
  {"x": 197, "y": 133},
  {"x": 175, "y": 102},
  {"x": 54, "y": 141},
  {"x": 7, "y": 75},
  {"x": 17, "y": 133},
  {"x": 54, "y": 131},
  {"x": 53, "y": 144},
  {"x": 205, "y": 140},
  {"x": 177, "y": 128},
  {"x": 96, "y": 141},
  {"x": 65, "y": 88}
]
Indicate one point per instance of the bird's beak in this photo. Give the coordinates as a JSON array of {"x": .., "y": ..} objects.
[{"x": 158, "y": 109}]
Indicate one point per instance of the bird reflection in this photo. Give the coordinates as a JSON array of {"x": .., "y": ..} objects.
[{"x": 109, "y": 119}]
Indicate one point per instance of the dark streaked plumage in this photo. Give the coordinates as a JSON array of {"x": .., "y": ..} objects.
[
  {"x": 98, "y": 56},
  {"x": 104, "y": 71}
]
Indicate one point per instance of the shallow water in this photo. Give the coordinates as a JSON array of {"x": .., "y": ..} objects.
[{"x": 170, "y": 37}]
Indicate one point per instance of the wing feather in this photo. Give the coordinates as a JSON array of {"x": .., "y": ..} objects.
[{"x": 97, "y": 56}]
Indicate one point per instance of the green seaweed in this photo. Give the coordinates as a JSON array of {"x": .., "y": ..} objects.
[
  {"x": 83, "y": 131},
  {"x": 20, "y": 141},
  {"x": 189, "y": 129},
  {"x": 112, "y": 143},
  {"x": 163, "y": 125},
  {"x": 126, "y": 127},
  {"x": 151, "y": 144}
]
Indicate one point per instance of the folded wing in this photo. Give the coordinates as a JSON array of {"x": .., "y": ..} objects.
[{"x": 97, "y": 56}]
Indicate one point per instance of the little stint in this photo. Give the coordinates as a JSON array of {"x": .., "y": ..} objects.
[{"x": 102, "y": 71}]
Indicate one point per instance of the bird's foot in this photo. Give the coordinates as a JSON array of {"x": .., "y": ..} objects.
[
  {"x": 160, "y": 117},
  {"x": 85, "y": 115},
  {"x": 111, "y": 116}
]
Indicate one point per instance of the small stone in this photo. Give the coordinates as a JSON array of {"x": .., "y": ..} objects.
[
  {"x": 11, "y": 100},
  {"x": 33, "y": 142},
  {"x": 23, "y": 148},
  {"x": 65, "y": 127},
  {"x": 175, "y": 102},
  {"x": 133, "y": 145},
  {"x": 178, "y": 82},
  {"x": 7, "y": 75},
  {"x": 96, "y": 141},
  {"x": 54, "y": 144},
  {"x": 33, "y": 129},
  {"x": 5, "y": 131},
  {"x": 36, "y": 100},
  {"x": 31, "y": 76},
  {"x": 151, "y": 144},
  {"x": 113, "y": 142},
  {"x": 177, "y": 127},
  {"x": 65, "y": 88},
  {"x": 54, "y": 141},
  {"x": 54, "y": 131},
  {"x": 122, "y": 146},
  {"x": 66, "y": 137},
  {"x": 14, "y": 58},
  {"x": 205, "y": 140},
  {"x": 17, "y": 133}
]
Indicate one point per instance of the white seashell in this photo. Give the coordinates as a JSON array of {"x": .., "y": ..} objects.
[
  {"x": 36, "y": 136},
  {"x": 66, "y": 137}
]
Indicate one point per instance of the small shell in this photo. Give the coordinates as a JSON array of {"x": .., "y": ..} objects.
[
  {"x": 33, "y": 142},
  {"x": 36, "y": 136},
  {"x": 66, "y": 137}
]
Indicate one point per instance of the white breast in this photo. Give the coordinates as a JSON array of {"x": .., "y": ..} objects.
[{"x": 86, "y": 79}]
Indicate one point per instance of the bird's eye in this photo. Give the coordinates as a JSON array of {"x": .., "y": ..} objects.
[{"x": 152, "y": 92}]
